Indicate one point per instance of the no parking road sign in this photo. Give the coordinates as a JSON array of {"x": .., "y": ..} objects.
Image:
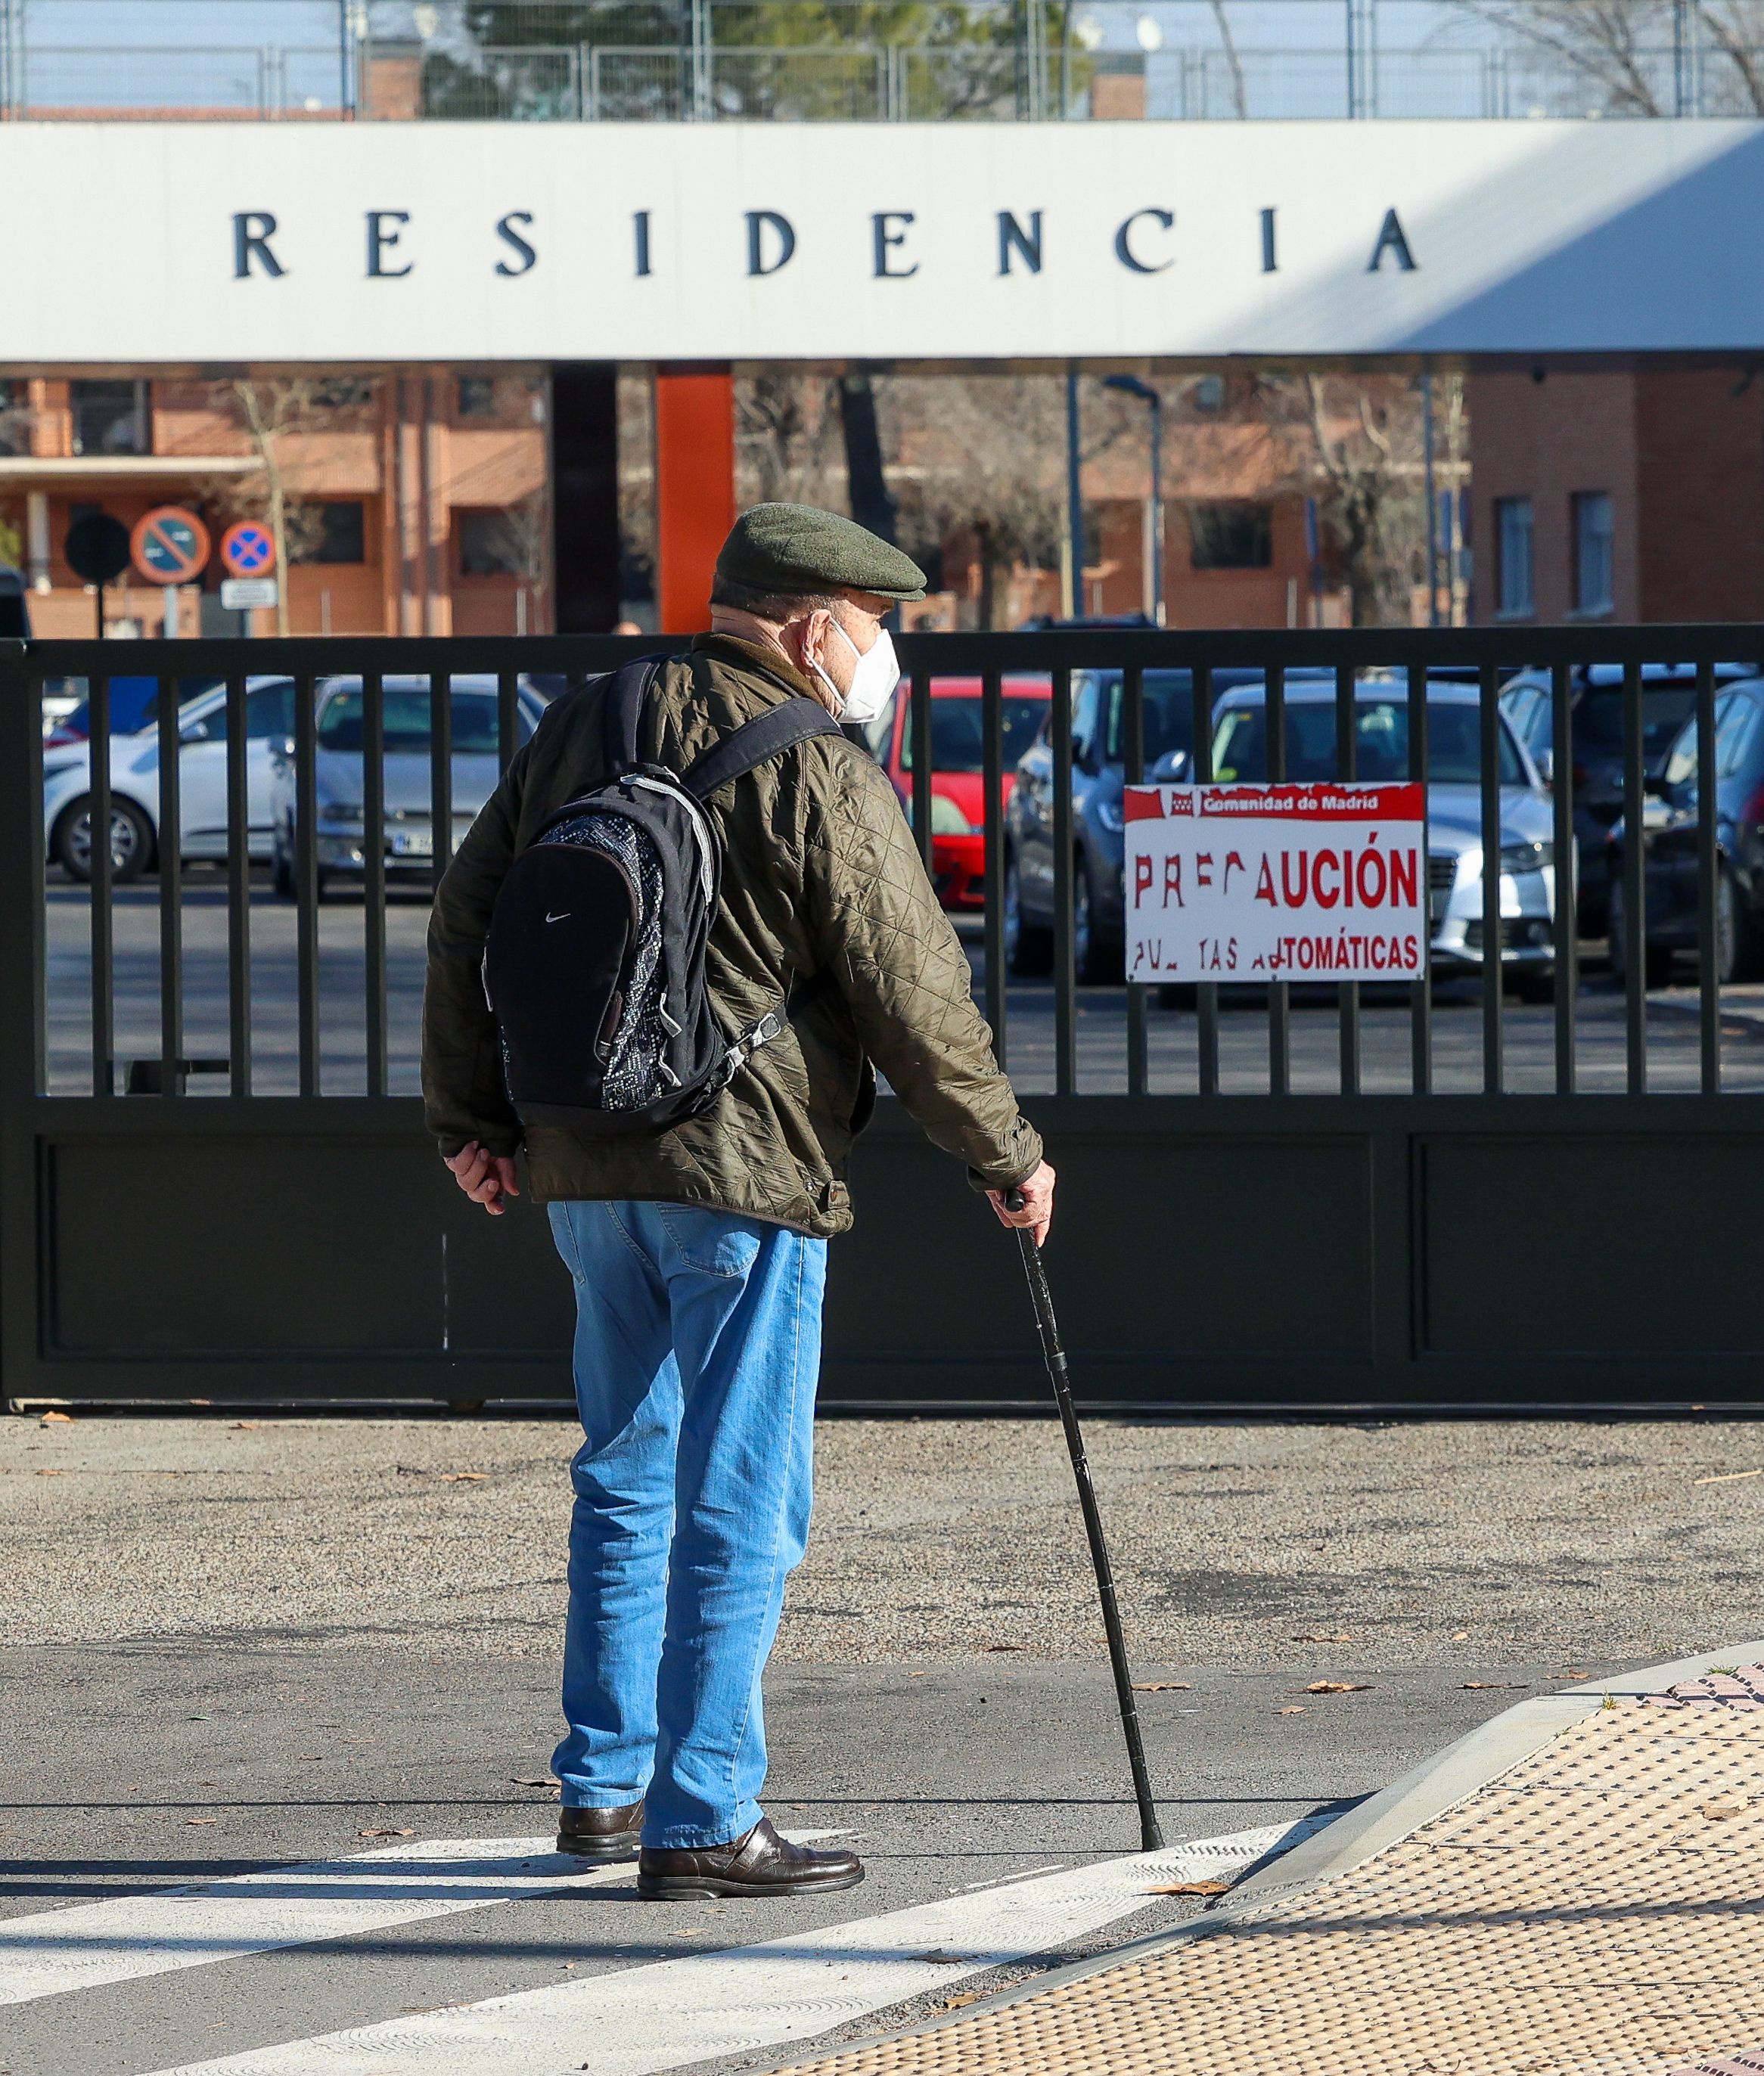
[
  {"x": 247, "y": 549},
  {"x": 169, "y": 544}
]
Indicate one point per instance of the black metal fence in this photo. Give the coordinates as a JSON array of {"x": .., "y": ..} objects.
[{"x": 271, "y": 1224}]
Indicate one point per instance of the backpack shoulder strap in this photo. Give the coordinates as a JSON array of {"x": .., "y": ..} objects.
[
  {"x": 756, "y": 742},
  {"x": 622, "y": 711}
]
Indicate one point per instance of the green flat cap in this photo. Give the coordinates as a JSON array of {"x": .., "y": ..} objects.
[{"x": 797, "y": 548}]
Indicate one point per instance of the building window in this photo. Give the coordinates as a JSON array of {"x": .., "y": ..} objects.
[
  {"x": 477, "y": 397},
  {"x": 1595, "y": 530},
  {"x": 1513, "y": 556},
  {"x": 1236, "y": 535},
  {"x": 1209, "y": 393},
  {"x": 491, "y": 544},
  {"x": 111, "y": 417},
  {"x": 334, "y": 533},
  {"x": 342, "y": 392},
  {"x": 15, "y": 417}
]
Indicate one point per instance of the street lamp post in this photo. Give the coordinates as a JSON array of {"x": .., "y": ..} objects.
[{"x": 1130, "y": 385}]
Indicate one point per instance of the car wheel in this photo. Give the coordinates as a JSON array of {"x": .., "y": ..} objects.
[
  {"x": 1029, "y": 948},
  {"x": 281, "y": 872},
  {"x": 1093, "y": 958},
  {"x": 1657, "y": 961},
  {"x": 131, "y": 840},
  {"x": 1537, "y": 987},
  {"x": 1739, "y": 944}
]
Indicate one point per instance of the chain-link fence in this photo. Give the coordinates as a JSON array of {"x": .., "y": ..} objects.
[{"x": 874, "y": 60}]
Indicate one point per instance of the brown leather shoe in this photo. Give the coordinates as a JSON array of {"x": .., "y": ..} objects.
[
  {"x": 760, "y": 1864},
  {"x": 601, "y": 1835}
]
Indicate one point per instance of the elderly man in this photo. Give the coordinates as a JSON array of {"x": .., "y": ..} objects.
[{"x": 699, "y": 1253}]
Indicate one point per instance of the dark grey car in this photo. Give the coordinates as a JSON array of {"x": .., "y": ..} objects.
[{"x": 1099, "y": 774}]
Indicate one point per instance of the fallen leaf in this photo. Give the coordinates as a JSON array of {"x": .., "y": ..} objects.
[
  {"x": 1727, "y": 1805},
  {"x": 957, "y": 2002},
  {"x": 246, "y": 1427},
  {"x": 541, "y": 1780},
  {"x": 1325, "y": 1639},
  {"x": 1574, "y": 1672},
  {"x": 1719, "y": 1478},
  {"x": 1007, "y": 1647},
  {"x": 1337, "y": 1687},
  {"x": 918, "y": 1675},
  {"x": 1460, "y": 1636},
  {"x": 1160, "y": 1686},
  {"x": 1507, "y": 1686},
  {"x": 1188, "y": 1888},
  {"x": 1293, "y": 1708},
  {"x": 463, "y": 1477},
  {"x": 51, "y": 1474},
  {"x": 55, "y": 1420},
  {"x": 201, "y": 1820},
  {"x": 385, "y": 1834}
]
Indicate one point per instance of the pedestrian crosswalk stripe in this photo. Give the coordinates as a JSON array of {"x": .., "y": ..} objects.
[
  {"x": 640, "y": 2020},
  {"x": 52, "y": 1952}
]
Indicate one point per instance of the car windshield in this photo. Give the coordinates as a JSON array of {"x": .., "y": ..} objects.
[
  {"x": 1381, "y": 747},
  {"x": 958, "y": 736},
  {"x": 1598, "y": 719},
  {"x": 1736, "y": 714},
  {"x": 407, "y": 722},
  {"x": 1169, "y": 699}
]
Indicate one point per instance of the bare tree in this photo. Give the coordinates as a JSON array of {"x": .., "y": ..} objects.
[
  {"x": 273, "y": 411},
  {"x": 1240, "y": 97},
  {"x": 1635, "y": 54},
  {"x": 787, "y": 437}
]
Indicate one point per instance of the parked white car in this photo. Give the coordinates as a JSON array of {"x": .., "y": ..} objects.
[{"x": 135, "y": 784}]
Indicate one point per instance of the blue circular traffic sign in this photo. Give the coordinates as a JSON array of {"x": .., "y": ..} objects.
[{"x": 248, "y": 549}]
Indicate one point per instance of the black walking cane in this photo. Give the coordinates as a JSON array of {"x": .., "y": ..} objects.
[{"x": 1151, "y": 1836}]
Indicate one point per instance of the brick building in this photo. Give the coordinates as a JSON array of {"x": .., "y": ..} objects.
[
  {"x": 417, "y": 501},
  {"x": 1627, "y": 495}
]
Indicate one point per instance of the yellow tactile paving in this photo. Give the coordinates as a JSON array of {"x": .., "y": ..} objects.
[{"x": 1597, "y": 1911}]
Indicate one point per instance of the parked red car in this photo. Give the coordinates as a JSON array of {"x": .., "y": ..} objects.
[{"x": 958, "y": 770}]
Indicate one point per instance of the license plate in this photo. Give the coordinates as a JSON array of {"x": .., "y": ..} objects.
[{"x": 412, "y": 843}]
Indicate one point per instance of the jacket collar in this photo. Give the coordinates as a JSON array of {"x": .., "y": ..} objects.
[{"x": 752, "y": 656}]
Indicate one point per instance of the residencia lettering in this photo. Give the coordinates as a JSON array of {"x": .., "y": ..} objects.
[{"x": 1144, "y": 243}]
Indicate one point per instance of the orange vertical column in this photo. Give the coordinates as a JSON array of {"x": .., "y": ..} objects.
[{"x": 695, "y": 489}]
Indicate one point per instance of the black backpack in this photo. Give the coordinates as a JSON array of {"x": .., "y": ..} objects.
[{"x": 594, "y": 968}]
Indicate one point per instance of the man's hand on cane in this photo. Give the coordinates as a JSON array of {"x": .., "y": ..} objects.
[
  {"x": 1035, "y": 1208},
  {"x": 485, "y": 1177}
]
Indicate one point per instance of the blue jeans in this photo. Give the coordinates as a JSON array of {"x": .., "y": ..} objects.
[{"x": 698, "y": 1349}]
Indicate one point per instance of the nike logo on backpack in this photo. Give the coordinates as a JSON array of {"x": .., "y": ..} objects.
[{"x": 558, "y": 917}]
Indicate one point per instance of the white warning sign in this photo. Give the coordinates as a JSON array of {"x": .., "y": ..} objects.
[{"x": 1324, "y": 881}]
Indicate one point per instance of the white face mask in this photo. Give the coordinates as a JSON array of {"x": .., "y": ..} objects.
[{"x": 872, "y": 682}]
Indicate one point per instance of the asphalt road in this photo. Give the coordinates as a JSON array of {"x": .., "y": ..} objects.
[
  {"x": 1529, "y": 1029},
  {"x": 247, "y": 1646}
]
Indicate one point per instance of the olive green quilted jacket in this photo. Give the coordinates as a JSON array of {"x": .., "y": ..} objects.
[{"x": 822, "y": 885}]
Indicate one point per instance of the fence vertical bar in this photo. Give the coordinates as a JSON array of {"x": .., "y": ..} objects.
[
  {"x": 373, "y": 874},
  {"x": 238, "y": 891},
  {"x": 1635, "y": 932},
  {"x": 306, "y": 882},
  {"x": 1488, "y": 716},
  {"x": 23, "y": 969},
  {"x": 1567, "y": 925},
  {"x": 1708, "y": 927},
  {"x": 102, "y": 917},
  {"x": 1132, "y": 695},
  {"x": 992, "y": 759},
  {"x": 440, "y": 775},
  {"x": 1421, "y": 988},
  {"x": 1065, "y": 973},
  {"x": 1206, "y": 994},
  {"x": 919, "y": 748},
  {"x": 170, "y": 857},
  {"x": 1347, "y": 992},
  {"x": 1280, "y": 1002}
]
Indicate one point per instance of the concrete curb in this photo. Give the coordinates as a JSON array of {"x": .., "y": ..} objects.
[{"x": 1371, "y": 1827}]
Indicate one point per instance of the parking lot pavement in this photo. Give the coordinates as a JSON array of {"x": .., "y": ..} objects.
[
  {"x": 270, "y": 1648},
  {"x": 1101, "y": 1023}
]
